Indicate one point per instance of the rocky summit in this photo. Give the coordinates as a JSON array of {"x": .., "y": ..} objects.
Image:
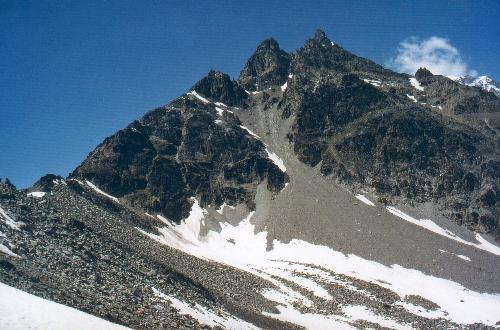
[{"x": 319, "y": 190}]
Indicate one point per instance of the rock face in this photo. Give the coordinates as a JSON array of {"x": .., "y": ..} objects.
[
  {"x": 366, "y": 125},
  {"x": 268, "y": 66},
  {"x": 187, "y": 148},
  {"x": 47, "y": 182},
  {"x": 369, "y": 132},
  {"x": 219, "y": 86},
  {"x": 455, "y": 98}
]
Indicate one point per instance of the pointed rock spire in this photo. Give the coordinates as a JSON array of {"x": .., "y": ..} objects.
[
  {"x": 423, "y": 73},
  {"x": 268, "y": 66}
]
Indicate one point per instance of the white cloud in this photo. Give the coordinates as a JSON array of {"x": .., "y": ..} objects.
[{"x": 434, "y": 53}]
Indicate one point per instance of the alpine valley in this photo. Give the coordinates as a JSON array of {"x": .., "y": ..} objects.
[{"x": 319, "y": 190}]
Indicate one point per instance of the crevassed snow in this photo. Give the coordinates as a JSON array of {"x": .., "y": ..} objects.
[
  {"x": 356, "y": 312},
  {"x": 411, "y": 97},
  {"x": 37, "y": 194},
  {"x": 198, "y": 96},
  {"x": 414, "y": 82},
  {"x": 276, "y": 160},
  {"x": 20, "y": 310},
  {"x": 432, "y": 226},
  {"x": 284, "y": 86},
  {"x": 250, "y": 132},
  {"x": 364, "y": 200},
  {"x": 375, "y": 83},
  {"x": 204, "y": 315},
  {"x": 93, "y": 186},
  {"x": 8, "y": 251},
  {"x": 241, "y": 247},
  {"x": 9, "y": 221}
]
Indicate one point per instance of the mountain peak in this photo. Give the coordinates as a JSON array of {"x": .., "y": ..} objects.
[
  {"x": 219, "y": 86},
  {"x": 268, "y": 44},
  {"x": 268, "y": 66},
  {"x": 319, "y": 39},
  {"x": 422, "y": 74},
  {"x": 483, "y": 82},
  {"x": 320, "y": 36}
]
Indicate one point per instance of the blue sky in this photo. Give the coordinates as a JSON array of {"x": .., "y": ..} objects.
[{"x": 74, "y": 72}]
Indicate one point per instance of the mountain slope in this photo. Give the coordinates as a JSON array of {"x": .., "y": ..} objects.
[{"x": 316, "y": 191}]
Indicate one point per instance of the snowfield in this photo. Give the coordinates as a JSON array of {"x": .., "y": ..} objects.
[
  {"x": 20, "y": 310},
  {"x": 309, "y": 266}
]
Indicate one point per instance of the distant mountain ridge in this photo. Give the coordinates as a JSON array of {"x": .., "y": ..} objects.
[{"x": 483, "y": 82}]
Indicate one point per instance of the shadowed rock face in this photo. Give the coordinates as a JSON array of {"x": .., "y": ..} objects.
[
  {"x": 268, "y": 66},
  {"x": 219, "y": 86},
  {"x": 179, "y": 151}
]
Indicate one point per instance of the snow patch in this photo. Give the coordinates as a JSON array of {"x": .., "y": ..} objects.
[
  {"x": 220, "y": 210},
  {"x": 36, "y": 194},
  {"x": 99, "y": 191},
  {"x": 361, "y": 313},
  {"x": 414, "y": 82},
  {"x": 198, "y": 96},
  {"x": 9, "y": 221},
  {"x": 21, "y": 310},
  {"x": 241, "y": 247},
  {"x": 432, "y": 226},
  {"x": 375, "y": 83},
  {"x": 364, "y": 200},
  {"x": 8, "y": 251},
  {"x": 411, "y": 97},
  {"x": 250, "y": 132},
  {"x": 276, "y": 160},
  {"x": 284, "y": 86},
  {"x": 204, "y": 315}
]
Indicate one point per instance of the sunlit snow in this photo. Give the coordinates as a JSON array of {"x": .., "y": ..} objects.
[
  {"x": 411, "y": 97},
  {"x": 203, "y": 314},
  {"x": 364, "y": 200},
  {"x": 241, "y": 247},
  {"x": 276, "y": 160},
  {"x": 20, "y": 310},
  {"x": 432, "y": 226},
  {"x": 375, "y": 83},
  {"x": 37, "y": 194},
  {"x": 414, "y": 82},
  {"x": 9, "y": 221},
  {"x": 93, "y": 186},
  {"x": 198, "y": 96}
]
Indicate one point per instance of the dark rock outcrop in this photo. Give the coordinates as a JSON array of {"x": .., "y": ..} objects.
[
  {"x": 47, "y": 182},
  {"x": 268, "y": 66},
  {"x": 422, "y": 74},
  {"x": 177, "y": 152},
  {"x": 219, "y": 86}
]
